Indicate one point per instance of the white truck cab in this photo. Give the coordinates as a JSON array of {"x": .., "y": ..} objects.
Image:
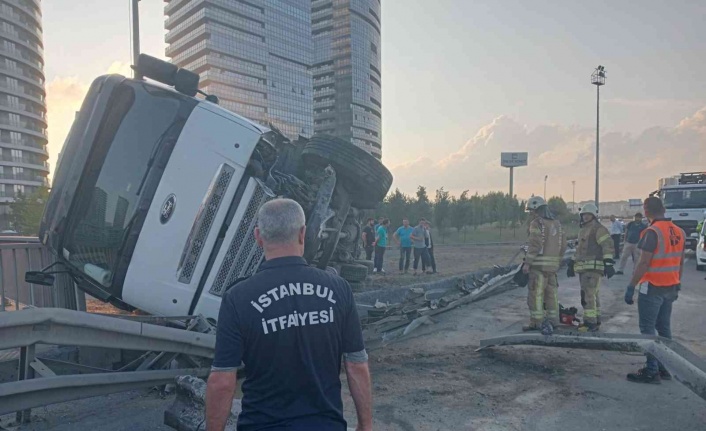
[
  {"x": 684, "y": 197},
  {"x": 155, "y": 199}
]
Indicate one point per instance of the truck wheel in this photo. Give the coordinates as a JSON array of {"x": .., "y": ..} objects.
[
  {"x": 365, "y": 177},
  {"x": 354, "y": 273},
  {"x": 367, "y": 263},
  {"x": 357, "y": 286}
]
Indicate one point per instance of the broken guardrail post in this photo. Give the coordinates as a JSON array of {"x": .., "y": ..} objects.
[{"x": 687, "y": 367}]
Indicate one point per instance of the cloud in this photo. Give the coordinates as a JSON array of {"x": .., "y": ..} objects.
[
  {"x": 64, "y": 97},
  {"x": 630, "y": 164}
]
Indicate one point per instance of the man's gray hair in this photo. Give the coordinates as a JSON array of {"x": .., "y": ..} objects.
[{"x": 280, "y": 221}]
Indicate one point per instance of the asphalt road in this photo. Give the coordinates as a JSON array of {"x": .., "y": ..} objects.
[{"x": 434, "y": 379}]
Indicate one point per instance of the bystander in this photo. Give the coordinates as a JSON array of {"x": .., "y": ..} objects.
[
  {"x": 632, "y": 237},
  {"x": 616, "y": 233},
  {"x": 402, "y": 238},
  {"x": 369, "y": 238},
  {"x": 419, "y": 245},
  {"x": 380, "y": 246},
  {"x": 430, "y": 248}
]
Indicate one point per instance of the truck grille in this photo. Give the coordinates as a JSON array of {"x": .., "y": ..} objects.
[
  {"x": 203, "y": 223},
  {"x": 243, "y": 256},
  {"x": 689, "y": 226}
]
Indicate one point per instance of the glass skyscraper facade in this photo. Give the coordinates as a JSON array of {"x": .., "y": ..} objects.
[
  {"x": 23, "y": 121},
  {"x": 346, "y": 71},
  {"x": 255, "y": 55}
]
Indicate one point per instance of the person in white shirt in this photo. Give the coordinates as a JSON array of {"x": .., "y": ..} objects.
[{"x": 616, "y": 232}]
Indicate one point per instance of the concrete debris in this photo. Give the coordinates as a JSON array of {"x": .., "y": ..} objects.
[
  {"x": 685, "y": 366},
  {"x": 419, "y": 303},
  {"x": 187, "y": 413}
]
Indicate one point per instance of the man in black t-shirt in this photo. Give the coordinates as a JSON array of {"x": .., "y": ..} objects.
[
  {"x": 369, "y": 239},
  {"x": 289, "y": 324}
]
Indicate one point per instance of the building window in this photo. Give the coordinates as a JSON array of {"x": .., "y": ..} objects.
[
  {"x": 15, "y": 137},
  {"x": 17, "y": 171},
  {"x": 13, "y": 101},
  {"x": 12, "y": 83},
  {"x": 373, "y": 47},
  {"x": 14, "y": 119},
  {"x": 19, "y": 188}
]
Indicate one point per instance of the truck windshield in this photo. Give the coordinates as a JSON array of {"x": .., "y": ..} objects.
[
  {"x": 133, "y": 126},
  {"x": 684, "y": 198}
]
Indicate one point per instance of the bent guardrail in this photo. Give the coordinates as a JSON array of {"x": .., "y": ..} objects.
[{"x": 38, "y": 384}]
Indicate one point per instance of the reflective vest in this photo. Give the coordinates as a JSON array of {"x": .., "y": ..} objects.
[
  {"x": 666, "y": 260},
  {"x": 595, "y": 245}
]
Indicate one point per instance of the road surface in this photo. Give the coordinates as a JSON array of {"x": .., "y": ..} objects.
[{"x": 434, "y": 380}]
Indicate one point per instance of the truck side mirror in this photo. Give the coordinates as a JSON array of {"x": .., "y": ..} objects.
[{"x": 38, "y": 277}]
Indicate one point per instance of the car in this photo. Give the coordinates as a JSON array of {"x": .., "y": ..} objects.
[{"x": 701, "y": 250}]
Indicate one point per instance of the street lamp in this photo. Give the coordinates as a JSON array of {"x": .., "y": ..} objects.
[
  {"x": 545, "y": 186},
  {"x": 598, "y": 79},
  {"x": 573, "y": 196}
]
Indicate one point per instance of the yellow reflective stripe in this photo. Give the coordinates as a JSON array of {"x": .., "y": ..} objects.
[
  {"x": 535, "y": 230},
  {"x": 590, "y": 313},
  {"x": 539, "y": 299},
  {"x": 603, "y": 238},
  {"x": 607, "y": 256}
]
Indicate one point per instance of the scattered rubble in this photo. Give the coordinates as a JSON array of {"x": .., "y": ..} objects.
[
  {"x": 390, "y": 321},
  {"x": 188, "y": 412}
]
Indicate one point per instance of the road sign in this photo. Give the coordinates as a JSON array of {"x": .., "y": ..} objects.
[
  {"x": 635, "y": 202},
  {"x": 513, "y": 160}
]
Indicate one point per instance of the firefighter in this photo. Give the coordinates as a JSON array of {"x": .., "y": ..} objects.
[
  {"x": 546, "y": 248},
  {"x": 593, "y": 259}
]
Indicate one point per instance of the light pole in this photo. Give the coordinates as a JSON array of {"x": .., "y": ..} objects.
[
  {"x": 545, "y": 187},
  {"x": 135, "y": 9},
  {"x": 573, "y": 196},
  {"x": 598, "y": 79}
]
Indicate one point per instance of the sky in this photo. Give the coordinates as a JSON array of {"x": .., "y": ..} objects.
[{"x": 466, "y": 79}]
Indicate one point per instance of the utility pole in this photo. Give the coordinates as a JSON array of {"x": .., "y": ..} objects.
[
  {"x": 545, "y": 187},
  {"x": 573, "y": 196},
  {"x": 135, "y": 9},
  {"x": 598, "y": 79}
]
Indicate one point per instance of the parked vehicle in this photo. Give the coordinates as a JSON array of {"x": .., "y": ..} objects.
[{"x": 684, "y": 197}]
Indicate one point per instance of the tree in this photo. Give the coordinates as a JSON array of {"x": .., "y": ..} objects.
[
  {"x": 26, "y": 211},
  {"x": 460, "y": 214},
  {"x": 421, "y": 207},
  {"x": 442, "y": 209},
  {"x": 396, "y": 208},
  {"x": 560, "y": 209}
]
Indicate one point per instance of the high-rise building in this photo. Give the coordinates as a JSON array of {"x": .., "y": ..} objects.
[
  {"x": 23, "y": 122},
  {"x": 347, "y": 71},
  {"x": 254, "y": 55}
]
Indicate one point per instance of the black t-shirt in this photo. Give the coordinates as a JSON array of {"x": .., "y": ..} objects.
[
  {"x": 289, "y": 324},
  {"x": 369, "y": 235}
]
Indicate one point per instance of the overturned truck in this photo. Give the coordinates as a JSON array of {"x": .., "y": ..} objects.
[{"x": 155, "y": 198}]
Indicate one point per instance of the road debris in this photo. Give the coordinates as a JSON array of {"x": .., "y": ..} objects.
[{"x": 384, "y": 320}]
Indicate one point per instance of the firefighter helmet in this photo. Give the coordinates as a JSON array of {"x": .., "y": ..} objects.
[
  {"x": 589, "y": 209},
  {"x": 535, "y": 202}
]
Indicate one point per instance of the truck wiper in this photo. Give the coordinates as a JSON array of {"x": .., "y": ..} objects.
[{"x": 155, "y": 150}]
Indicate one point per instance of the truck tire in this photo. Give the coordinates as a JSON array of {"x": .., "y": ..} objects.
[
  {"x": 357, "y": 286},
  {"x": 367, "y": 263},
  {"x": 365, "y": 177},
  {"x": 354, "y": 273}
]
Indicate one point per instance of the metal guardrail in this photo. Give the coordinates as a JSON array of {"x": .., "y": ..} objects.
[
  {"x": 21, "y": 254},
  {"x": 162, "y": 345},
  {"x": 687, "y": 367}
]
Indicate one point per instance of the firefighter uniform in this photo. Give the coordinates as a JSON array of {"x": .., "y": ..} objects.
[
  {"x": 545, "y": 250},
  {"x": 594, "y": 247}
]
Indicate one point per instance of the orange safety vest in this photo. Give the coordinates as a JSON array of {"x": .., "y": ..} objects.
[{"x": 666, "y": 260}]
